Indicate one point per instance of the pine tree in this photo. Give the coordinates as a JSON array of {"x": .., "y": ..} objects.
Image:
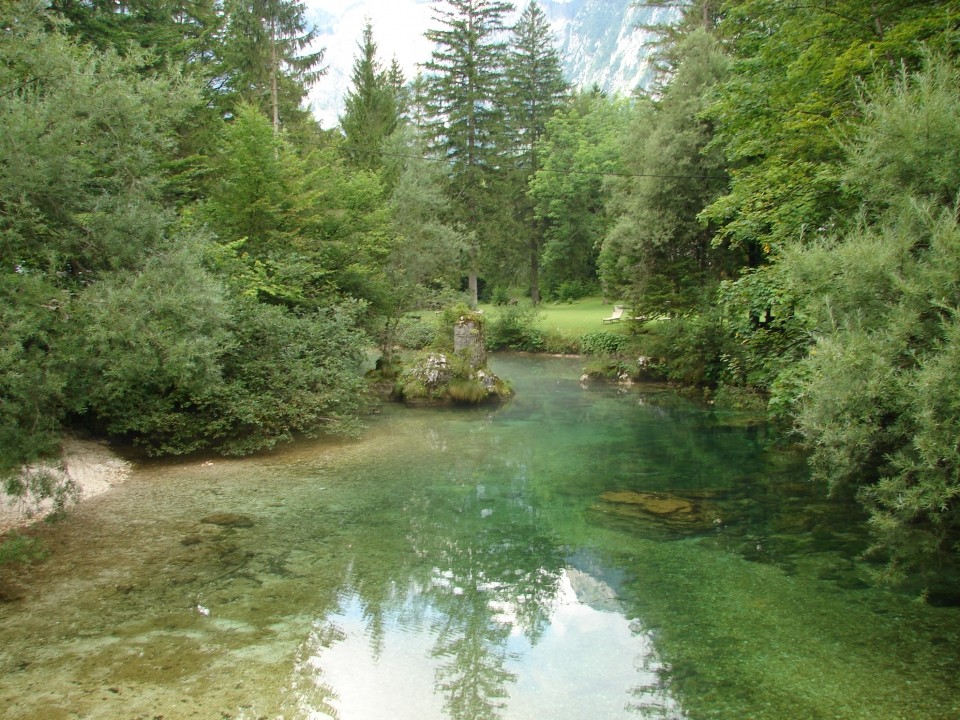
[
  {"x": 175, "y": 31},
  {"x": 264, "y": 56},
  {"x": 535, "y": 87},
  {"x": 463, "y": 104},
  {"x": 535, "y": 90},
  {"x": 371, "y": 106}
]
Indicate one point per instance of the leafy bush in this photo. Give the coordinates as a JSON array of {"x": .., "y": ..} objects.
[
  {"x": 416, "y": 333},
  {"x": 557, "y": 343},
  {"x": 515, "y": 327},
  {"x": 606, "y": 369},
  {"x": 570, "y": 290},
  {"x": 695, "y": 347},
  {"x": 500, "y": 295},
  {"x": 602, "y": 342}
]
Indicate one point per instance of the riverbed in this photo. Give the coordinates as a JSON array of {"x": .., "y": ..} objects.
[{"x": 583, "y": 552}]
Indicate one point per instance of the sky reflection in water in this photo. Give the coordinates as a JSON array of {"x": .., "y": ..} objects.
[{"x": 589, "y": 661}]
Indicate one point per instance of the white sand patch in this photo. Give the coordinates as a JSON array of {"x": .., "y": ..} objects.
[{"x": 88, "y": 467}]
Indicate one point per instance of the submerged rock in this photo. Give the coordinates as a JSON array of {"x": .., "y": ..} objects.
[
  {"x": 228, "y": 520},
  {"x": 674, "y": 512}
]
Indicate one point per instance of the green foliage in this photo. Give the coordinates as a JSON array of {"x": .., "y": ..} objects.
[
  {"x": 174, "y": 33},
  {"x": 464, "y": 110},
  {"x": 371, "y": 107},
  {"x": 877, "y": 397},
  {"x": 33, "y": 377},
  {"x": 290, "y": 374},
  {"x": 120, "y": 317},
  {"x": 881, "y": 383},
  {"x": 268, "y": 57},
  {"x": 570, "y": 290},
  {"x": 603, "y": 342},
  {"x": 909, "y": 141},
  {"x": 694, "y": 347},
  {"x": 416, "y": 333},
  {"x": 659, "y": 251},
  {"x": 424, "y": 257},
  {"x": 772, "y": 336},
  {"x": 19, "y": 549},
  {"x": 515, "y": 327},
  {"x": 83, "y": 138},
  {"x": 298, "y": 231},
  {"x": 580, "y": 145},
  {"x": 792, "y": 95},
  {"x": 534, "y": 89},
  {"x": 150, "y": 346}
]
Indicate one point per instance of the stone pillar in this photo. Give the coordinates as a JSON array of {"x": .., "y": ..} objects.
[{"x": 468, "y": 340}]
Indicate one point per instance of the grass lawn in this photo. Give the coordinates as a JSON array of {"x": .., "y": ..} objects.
[{"x": 574, "y": 319}]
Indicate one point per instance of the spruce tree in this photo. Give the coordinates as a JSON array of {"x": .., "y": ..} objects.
[
  {"x": 463, "y": 105},
  {"x": 535, "y": 89},
  {"x": 264, "y": 56},
  {"x": 371, "y": 106}
]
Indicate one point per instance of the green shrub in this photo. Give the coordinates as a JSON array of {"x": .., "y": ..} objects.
[
  {"x": 695, "y": 348},
  {"x": 416, "y": 333},
  {"x": 602, "y": 342},
  {"x": 570, "y": 290},
  {"x": 500, "y": 295},
  {"x": 515, "y": 327},
  {"x": 606, "y": 369},
  {"x": 557, "y": 343}
]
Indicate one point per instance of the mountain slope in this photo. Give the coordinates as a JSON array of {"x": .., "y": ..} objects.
[{"x": 600, "y": 41}]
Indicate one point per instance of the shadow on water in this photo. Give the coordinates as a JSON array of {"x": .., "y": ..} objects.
[{"x": 582, "y": 552}]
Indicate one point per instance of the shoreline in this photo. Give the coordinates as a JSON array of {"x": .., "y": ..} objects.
[{"x": 90, "y": 466}]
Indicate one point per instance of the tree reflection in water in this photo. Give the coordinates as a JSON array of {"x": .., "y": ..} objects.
[{"x": 463, "y": 603}]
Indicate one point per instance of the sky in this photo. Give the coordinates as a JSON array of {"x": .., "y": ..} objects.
[{"x": 398, "y": 27}]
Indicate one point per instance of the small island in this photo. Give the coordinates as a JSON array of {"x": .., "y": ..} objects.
[{"x": 458, "y": 378}]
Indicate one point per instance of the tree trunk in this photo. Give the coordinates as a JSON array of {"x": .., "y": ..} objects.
[
  {"x": 534, "y": 271},
  {"x": 274, "y": 79},
  {"x": 472, "y": 287}
]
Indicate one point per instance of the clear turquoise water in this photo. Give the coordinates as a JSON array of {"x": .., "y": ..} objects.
[{"x": 466, "y": 564}]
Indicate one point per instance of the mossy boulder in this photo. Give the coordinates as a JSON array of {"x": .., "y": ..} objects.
[{"x": 441, "y": 379}]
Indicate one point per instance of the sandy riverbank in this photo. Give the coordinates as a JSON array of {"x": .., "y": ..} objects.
[{"x": 90, "y": 466}]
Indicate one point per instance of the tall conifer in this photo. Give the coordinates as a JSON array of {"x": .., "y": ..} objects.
[
  {"x": 535, "y": 88},
  {"x": 268, "y": 55},
  {"x": 370, "y": 112},
  {"x": 462, "y": 104}
]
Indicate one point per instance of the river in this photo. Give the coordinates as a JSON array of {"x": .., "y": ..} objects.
[{"x": 581, "y": 553}]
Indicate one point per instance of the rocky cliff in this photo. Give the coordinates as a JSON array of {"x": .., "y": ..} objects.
[{"x": 600, "y": 41}]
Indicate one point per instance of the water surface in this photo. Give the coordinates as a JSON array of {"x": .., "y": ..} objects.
[{"x": 471, "y": 564}]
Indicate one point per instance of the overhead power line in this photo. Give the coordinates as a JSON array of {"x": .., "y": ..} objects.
[{"x": 667, "y": 176}]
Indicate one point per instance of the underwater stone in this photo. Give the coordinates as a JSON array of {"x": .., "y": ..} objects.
[{"x": 228, "y": 520}]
